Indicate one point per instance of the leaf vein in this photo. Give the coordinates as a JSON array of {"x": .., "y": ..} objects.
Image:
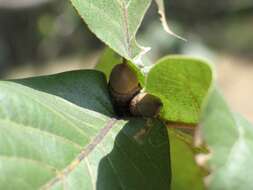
[{"x": 84, "y": 153}]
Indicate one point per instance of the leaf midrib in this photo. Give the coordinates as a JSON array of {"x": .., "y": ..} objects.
[
  {"x": 83, "y": 154},
  {"x": 124, "y": 9}
]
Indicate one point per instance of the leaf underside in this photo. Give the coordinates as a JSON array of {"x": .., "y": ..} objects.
[
  {"x": 57, "y": 133},
  {"x": 115, "y": 22},
  {"x": 230, "y": 138}
]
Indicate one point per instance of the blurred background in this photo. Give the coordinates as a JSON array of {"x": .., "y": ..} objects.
[{"x": 40, "y": 37}]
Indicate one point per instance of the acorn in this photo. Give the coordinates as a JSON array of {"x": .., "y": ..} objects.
[
  {"x": 123, "y": 86},
  {"x": 145, "y": 105}
]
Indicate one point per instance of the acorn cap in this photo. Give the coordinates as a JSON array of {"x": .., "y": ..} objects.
[{"x": 145, "y": 105}]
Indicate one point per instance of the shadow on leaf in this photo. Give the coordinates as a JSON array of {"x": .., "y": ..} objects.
[
  {"x": 85, "y": 88},
  {"x": 139, "y": 158}
]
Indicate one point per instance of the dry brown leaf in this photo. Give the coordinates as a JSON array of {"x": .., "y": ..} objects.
[{"x": 161, "y": 11}]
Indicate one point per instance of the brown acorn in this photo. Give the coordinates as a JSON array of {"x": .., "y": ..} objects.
[
  {"x": 145, "y": 105},
  {"x": 123, "y": 86}
]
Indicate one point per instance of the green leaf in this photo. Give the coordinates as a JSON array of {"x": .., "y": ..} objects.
[
  {"x": 87, "y": 89},
  {"x": 186, "y": 174},
  {"x": 230, "y": 138},
  {"x": 59, "y": 132},
  {"x": 182, "y": 84},
  {"x": 115, "y": 22}
]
